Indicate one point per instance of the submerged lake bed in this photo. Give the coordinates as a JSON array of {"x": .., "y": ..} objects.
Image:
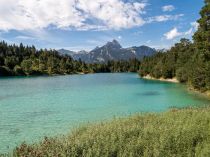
[{"x": 34, "y": 107}]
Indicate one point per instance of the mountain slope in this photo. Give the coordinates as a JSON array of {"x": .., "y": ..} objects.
[
  {"x": 113, "y": 51},
  {"x": 66, "y": 52}
]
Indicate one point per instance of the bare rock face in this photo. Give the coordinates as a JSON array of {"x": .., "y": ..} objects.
[{"x": 111, "y": 51}]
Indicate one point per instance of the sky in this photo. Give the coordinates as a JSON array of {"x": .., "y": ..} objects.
[{"x": 84, "y": 24}]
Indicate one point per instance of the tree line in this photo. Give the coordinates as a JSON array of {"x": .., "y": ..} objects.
[
  {"x": 188, "y": 61},
  {"x": 19, "y": 60}
]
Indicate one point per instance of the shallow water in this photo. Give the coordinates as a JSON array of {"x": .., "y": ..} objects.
[{"x": 34, "y": 107}]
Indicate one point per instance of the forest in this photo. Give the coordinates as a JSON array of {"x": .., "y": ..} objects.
[
  {"x": 27, "y": 60},
  {"x": 188, "y": 61},
  {"x": 182, "y": 132}
]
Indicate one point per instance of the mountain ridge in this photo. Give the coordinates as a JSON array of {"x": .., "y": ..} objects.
[{"x": 112, "y": 50}]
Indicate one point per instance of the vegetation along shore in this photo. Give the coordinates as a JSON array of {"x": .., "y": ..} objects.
[
  {"x": 178, "y": 132},
  {"x": 187, "y": 61}
]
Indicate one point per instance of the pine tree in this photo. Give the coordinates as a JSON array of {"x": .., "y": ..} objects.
[
  {"x": 202, "y": 44},
  {"x": 202, "y": 36}
]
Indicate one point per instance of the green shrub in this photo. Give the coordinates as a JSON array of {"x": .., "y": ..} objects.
[
  {"x": 184, "y": 132},
  {"x": 18, "y": 70}
]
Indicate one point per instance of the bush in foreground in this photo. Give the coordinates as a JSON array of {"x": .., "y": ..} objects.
[{"x": 184, "y": 132}]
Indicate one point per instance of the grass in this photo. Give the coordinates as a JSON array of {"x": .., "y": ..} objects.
[{"x": 175, "y": 133}]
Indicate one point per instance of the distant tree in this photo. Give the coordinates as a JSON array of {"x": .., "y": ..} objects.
[
  {"x": 11, "y": 61},
  {"x": 26, "y": 60},
  {"x": 18, "y": 70},
  {"x": 26, "y": 66}
]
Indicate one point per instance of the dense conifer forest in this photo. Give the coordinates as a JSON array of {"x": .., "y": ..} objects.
[
  {"x": 27, "y": 60},
  {"x": 178, "y": 132},
  {"x": 188, "y": 61}
]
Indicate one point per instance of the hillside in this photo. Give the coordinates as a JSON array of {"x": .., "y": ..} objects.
[{"x": 188, "y": 61}]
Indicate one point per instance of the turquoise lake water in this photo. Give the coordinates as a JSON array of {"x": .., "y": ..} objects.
[{"x": 34, "y": 107}]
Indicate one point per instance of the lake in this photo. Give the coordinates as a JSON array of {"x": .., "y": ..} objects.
[{"x": 34, "y": 107}]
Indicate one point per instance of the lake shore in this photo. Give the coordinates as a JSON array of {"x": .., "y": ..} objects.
[
  {"x": 205, "y": 94},
  {"x": 173, "y": 80},
  {"x": 182, "y": 126},
  {"x": 77, "y": 97}
]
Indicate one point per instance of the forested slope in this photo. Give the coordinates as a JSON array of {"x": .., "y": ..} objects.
[
  {"x": 27, "y": 60},
  {"x": 188, "y": 61}
]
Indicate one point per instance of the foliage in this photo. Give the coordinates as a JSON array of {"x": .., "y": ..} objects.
[
  {"x": 169, "y": 64},
  {"x": 202, "y": 44},
  {"x": 188, "y": 62},
  {"x": 184, "y": 132},
  {"x": 21, "y": 60}
]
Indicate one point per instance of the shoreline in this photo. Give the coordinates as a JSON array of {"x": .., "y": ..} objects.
[
  {"x": 173, "y": 80},
  {"x": 205, "y": 94},
  {"x": 161, "y": 126}
]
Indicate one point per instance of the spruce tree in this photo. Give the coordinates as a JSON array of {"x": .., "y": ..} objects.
[
  {"x": 202, "y": 36},
  {"x": 201, "y": 72}
]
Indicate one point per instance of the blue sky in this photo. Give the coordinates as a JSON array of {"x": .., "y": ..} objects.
[{"x": 85, "y": 24}]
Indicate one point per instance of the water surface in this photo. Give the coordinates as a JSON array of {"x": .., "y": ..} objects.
[{"x": 33, "y": 107}]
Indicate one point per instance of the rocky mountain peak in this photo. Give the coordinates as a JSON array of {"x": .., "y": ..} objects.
[
  {"x": 113, "y": 44},
  {"x": 112, "y": 50}
]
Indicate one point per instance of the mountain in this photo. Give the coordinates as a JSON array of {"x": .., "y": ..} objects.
[
  {"x": 112, "y": 51},
  {"x": 66, "y": 52}
]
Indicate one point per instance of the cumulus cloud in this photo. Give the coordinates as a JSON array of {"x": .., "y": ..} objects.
[
  {"x": 175, "y": 33},
  {"x": 172, "y": 34},
  {"x": 70, "y": 14},
  {"x": 168, "y": 8}
]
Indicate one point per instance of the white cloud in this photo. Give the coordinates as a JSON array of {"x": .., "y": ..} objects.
[
  {"x": 172, "y": 34},
  {"x": 70, "y": 14},
  {"x": 195, "y": 25},
  {"x": 23, "y": 37},
  {"x": 162, "y": 18},
  {"x": 168, "y": 8}
]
